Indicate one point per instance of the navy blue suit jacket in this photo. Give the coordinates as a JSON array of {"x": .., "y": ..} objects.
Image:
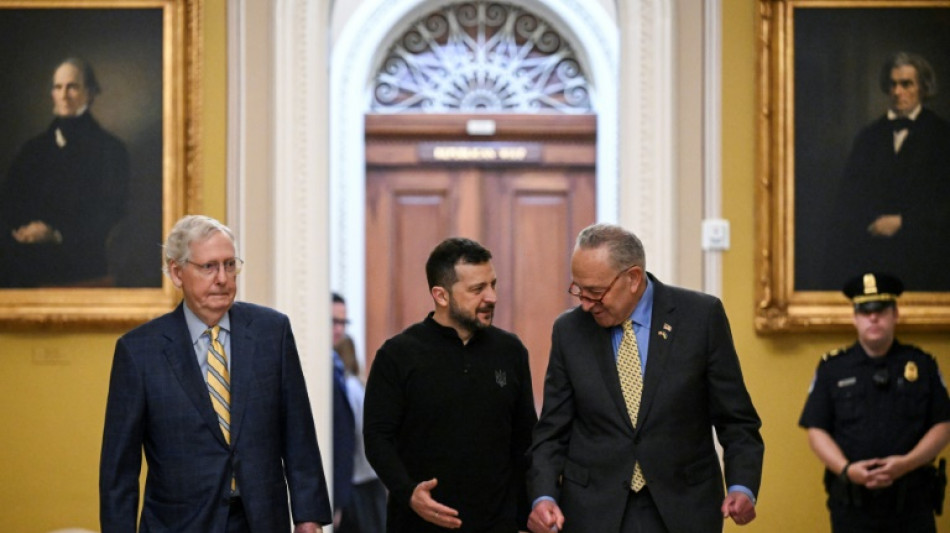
[{"x": 159, "y": 401}]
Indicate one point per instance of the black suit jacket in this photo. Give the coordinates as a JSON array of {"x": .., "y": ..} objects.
[
  {"x": 915, "y": 183},
  {"x": 585, "y": 447},
  {"x": 159, "y": 401}
]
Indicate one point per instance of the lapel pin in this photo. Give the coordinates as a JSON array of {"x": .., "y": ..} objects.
[
  {"x": 661, "y": 333},
  {"x": 667, "y": 327}
]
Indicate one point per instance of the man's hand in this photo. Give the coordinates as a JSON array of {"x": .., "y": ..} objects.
[
  {"x": 308, "y": 527},
  {"x": 545, "y": 517},
  {"x": 862, "y": 473},
  {"x": 37, "y": 232},
  {"x": 885, "y": 472},
  {"x": 885, "y": 225},
  {"x": 431, "y": 510},
  {"x": 738, "y": 507}
]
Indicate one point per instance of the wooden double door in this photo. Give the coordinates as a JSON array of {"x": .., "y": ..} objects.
[{"x": 524, "y": 192}]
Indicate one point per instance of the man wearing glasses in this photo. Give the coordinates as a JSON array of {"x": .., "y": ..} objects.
[
  {"x": 640, "y": 373},
  {"x": 215, "y": 395}
]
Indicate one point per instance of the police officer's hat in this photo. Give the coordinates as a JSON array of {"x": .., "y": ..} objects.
[{"x": 873, "y": 291}]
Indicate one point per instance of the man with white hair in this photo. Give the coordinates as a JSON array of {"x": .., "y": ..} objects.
[{"x": 214, "y": 394}]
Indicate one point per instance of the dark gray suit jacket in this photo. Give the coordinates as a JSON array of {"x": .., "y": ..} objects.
[
  {"x": 585, "y": 446},
  {"x": 159, "y": 401}
]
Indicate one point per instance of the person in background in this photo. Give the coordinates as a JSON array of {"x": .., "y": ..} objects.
[
  {"x": 366, "y": 510},
  {"x": 344, "y": 425},
  {"x": 449, "y": 408},
  {"x": 640, "y": 374},
  {"x": 214, "y": 394},
  {"x": 64, "y": 193},
  {"x": 877, "y": 415}
]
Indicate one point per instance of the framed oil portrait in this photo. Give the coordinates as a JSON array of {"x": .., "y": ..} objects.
[
  {"x": 98, "y": 158},
  {"x": 843, "y": 188}
]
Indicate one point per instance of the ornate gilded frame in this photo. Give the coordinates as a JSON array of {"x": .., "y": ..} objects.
[
  {"x": 780, "y": 305},
  {"x": 181, "y": 51}
]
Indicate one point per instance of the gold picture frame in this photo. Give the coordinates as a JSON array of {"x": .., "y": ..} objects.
[
  {"x": 147, "y": 57},
  {"x": 819, "y": 63}
]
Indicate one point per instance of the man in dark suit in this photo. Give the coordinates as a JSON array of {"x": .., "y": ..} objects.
[
  {"x": 214, "y": 393},
  {"x": 344, "y": 434},
  {"x": 892, "y": 212},
  {"x": 625, "y": 440}
]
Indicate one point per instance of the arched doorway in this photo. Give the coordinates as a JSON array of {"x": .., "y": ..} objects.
[
  {"x": 480, "y": 126},
  {"x": 357, "y": 54}
]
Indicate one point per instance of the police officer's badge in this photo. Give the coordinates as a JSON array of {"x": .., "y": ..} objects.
[{"x": 910, "y": 371}]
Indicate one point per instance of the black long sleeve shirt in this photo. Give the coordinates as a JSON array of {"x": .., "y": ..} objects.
[{"x": 461, "y": 413}]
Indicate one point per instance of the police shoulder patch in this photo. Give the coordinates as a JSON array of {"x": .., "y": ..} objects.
[
  {"x": 920, "y": 350},
  {"x": 832, "y": 353}
]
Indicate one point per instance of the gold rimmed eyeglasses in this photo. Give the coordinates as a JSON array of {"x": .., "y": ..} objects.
[
  {"x": 232, "y": 267},
  {"x": 596, "y": 296}
]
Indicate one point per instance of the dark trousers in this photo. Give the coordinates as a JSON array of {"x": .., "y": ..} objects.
[
  {"x": 366, "y": 512},
  {"x": 641, "y": 514},
  {"x": 890, "y": 510},
  {"x": 237, "y": 520}
]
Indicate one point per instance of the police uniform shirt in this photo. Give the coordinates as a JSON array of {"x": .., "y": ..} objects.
[{"x": 876, "y": 407}]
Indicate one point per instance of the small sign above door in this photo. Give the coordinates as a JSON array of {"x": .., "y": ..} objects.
[{"x": 501, "y": 153}]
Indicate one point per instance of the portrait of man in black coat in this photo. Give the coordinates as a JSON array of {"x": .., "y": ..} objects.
[
  {"x": 65, "y": 191},
  {"x": 892, "y": 210}
]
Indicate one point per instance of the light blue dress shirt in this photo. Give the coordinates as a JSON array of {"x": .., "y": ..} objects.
[
  {"x": 202, "y": 341},
  {"x": 642, "y": 317}
]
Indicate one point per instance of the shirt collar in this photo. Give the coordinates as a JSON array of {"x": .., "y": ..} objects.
[
  {"x": 641, "y": 315},
  {"x": 197, "y": 328},
  {"x": 891, "y": 115},
  {"x": 448, "y": 331}
]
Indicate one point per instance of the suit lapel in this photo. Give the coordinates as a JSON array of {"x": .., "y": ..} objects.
[
  {"x": 180, "y": 354},
  {"x": 663, "y": 329},
  {"x": 242, "y": 359},
  {"x": 603, "y": 349}
]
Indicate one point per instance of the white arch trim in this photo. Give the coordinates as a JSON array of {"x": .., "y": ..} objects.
[{"x": 595, "y": 39}]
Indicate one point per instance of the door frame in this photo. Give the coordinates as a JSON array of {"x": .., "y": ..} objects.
[{"x": 358, "y": 51}]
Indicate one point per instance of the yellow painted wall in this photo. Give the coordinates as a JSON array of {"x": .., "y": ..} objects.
[
  {"x": 777, "y": 369},
  {"x": 53, "y": 385}
]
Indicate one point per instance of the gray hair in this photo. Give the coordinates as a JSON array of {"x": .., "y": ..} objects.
[
  {"x": 189, "y": 229},
  {"x": 926, "y": 79},
  {"x": 88, "y": 75},
  {"x": 623, "y": 247}
]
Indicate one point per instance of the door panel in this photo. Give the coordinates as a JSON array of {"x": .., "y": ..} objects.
[
  {"x": 535, "y": 216},
  {"x": 527, "y": 214}
]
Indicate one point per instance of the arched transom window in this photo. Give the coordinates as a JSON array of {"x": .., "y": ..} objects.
[{"x": 481, "y": 57}]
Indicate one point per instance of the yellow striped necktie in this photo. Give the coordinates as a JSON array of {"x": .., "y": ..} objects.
[
  {"x": 631, "y": 383},
  {"x": 219, "y": 382}
]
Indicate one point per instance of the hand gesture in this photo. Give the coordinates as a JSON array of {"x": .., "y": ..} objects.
[
  {"x": 738, "y": 507},
  {"x": 431, "y": 510},
  {"x": 545, "y": 517}
]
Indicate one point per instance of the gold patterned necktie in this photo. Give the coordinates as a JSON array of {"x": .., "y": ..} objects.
[
  {"x": 631, "y": 383},
  {"x": 219, "y": 382},
  {"x": 219, "y": 386}
]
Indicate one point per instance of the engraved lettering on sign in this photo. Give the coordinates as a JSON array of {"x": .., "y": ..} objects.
[{"x": 497, "y": 153}]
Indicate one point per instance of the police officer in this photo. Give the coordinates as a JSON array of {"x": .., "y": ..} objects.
[{"x": 877, "y": 415}]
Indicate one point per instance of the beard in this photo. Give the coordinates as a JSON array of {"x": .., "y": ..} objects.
[{"x": 468, "y": 320}]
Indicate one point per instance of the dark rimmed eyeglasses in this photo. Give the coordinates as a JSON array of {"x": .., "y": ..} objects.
[
  {"x": 232, "y": 267},
  {"x": 596, "y": 296}
]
